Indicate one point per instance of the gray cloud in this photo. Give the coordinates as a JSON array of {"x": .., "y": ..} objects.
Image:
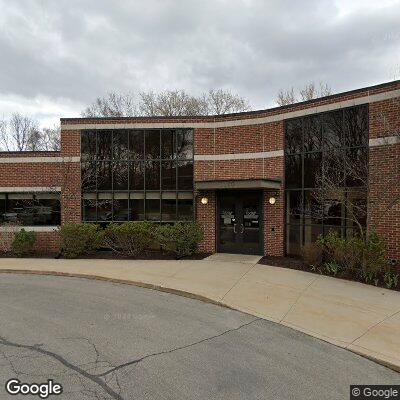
[{"x": 68, "y": 52}]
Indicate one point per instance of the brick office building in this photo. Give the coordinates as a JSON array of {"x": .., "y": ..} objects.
[{"x": 248, "y": 178}]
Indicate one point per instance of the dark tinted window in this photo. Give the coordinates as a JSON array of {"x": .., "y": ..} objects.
[
  {"x": 355, "y": 130},
  {"x": 28, "y": 209},
  {"x": 153, "y": 209},
  {"x": 152, "y": 167},
  {"x": 120, "y": 175},
  {"x": 168, "y": 144},
  {"x": 168, "y": 175},
  {"x": 120, "y": 145},
  {"x": 136, "y": 144},
  {"x": 104, "y": 145},
  {"x": 327, "y": 174},
  {"x": 312, "y": 166},
  {"x": 136, "y": 209},
  {"x": 185, "y": 175},
  {"x": 152, "y": 175},
  {"x": 104, "y": 175},
  {"x": 293, "y": 171},
  {"x": 184, "y": 143},
  {"x": 293, "y": 136},
  {"x": 332, "y": 129},
  {"x": 185, "y": 209},
  {"x": 136, "y": 175},
  {"x": 88, "y": 145},
  {"x": 168, "y": 209},
  {"x": 294, "y": 206},
  {"x": 312, "y": 134},
  {"x": 152, "y": 144},
  {"x": 121, "y": 209}
]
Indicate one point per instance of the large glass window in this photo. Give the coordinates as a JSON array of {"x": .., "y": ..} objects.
[
  {"x": 30, "y": 209},
  {"x": 137, "y": 174},
  {"x": 325, "y": 151}
]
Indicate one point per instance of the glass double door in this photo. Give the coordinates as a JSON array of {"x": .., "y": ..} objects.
[{"x": 239, "y": 222}]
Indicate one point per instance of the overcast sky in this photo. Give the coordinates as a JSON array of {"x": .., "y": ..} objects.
[{"x": 58, "y": 56}]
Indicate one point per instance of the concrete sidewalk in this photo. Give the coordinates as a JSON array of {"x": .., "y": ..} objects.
[{"x": 361, "y": 318}]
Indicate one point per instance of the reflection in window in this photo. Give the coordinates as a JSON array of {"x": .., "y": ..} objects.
[
  {"x": 120, "y": 175},
  {"x": 153, "y": 209},
  {"x": 137, "y": 174},
  {"x": 326, "y": 163},
  {"x": 168, "y": 209},
  {"x": 136, "y": 144},
  {"x": 152, "y": 181},
  {"x": 185, "y": 175},
  {"x": 293, "y": 136},
  {"x": 42, "y": 209},
  {"x": 104, "y": 145},
  {"x": 168, "y": 175},
  {"x": 184, "y": 146},
  {"x": 293, "y": 175},
  {"x": 152, "y": 144}
]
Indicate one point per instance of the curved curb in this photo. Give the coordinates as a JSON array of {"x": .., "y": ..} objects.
[{"x": 189, "y": 295}]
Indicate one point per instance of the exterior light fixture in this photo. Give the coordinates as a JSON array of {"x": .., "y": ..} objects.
[
  {"x": 272, "y": 200},
  {"x": 204, "y": 200}
]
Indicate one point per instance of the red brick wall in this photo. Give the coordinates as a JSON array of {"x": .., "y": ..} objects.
[
  {"x": 384, "y": 174},
  {"x": 205, "y": 215}
]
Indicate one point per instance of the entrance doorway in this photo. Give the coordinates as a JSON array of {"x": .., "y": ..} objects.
[{"x": 239, "y": 222}]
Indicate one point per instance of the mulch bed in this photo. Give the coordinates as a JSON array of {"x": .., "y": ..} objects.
[{"x": 298, "y": 264}]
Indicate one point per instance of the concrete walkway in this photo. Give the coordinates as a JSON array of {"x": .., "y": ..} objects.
[{"x": 361, "y": 318}]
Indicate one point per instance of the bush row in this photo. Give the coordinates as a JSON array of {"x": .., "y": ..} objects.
[
  {"x": 130, "y": 238},
  {"x": 359, "y": 258}
]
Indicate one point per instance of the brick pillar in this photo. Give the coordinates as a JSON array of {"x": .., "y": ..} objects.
[
  {"x": 273, "y": 223},
  {"x": 205, "y": 216}
]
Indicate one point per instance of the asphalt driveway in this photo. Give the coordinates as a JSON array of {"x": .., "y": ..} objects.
[{"x": 103, "y": 340}]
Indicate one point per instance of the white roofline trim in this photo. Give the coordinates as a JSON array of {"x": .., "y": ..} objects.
[
  {"x": 30, "y": 189},
  {"x": 238, "y": 156},
  {"x": 35, "y": 160}
]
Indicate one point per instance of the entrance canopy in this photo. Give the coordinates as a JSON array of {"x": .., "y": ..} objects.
[{"x": 239, "y": 184}]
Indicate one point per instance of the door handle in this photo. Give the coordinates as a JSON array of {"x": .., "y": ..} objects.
[
  {"x": 242, "y": 228},
  {"x": 234, "y": 228}
]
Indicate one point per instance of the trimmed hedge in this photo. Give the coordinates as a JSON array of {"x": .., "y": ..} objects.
[
  {"x": 180, "y": 238},
  {"x": 80, "y": 239},
  {"x": 23, "y": 243},
  {"x": 130, "y": 238}
]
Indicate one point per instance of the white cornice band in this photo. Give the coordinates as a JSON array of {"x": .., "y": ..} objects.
[
  {"x": 238, "y": 156},
  {"x": 34, "y": 160},
  {"x": 30, "y": 189},
  {"x": 17, "y": 228},
  {"x": 384, "y": 141},
  {"x": 240, "y": 122}
]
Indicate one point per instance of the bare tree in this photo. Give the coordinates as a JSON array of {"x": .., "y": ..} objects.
[
  {"x": 4, "y": 145},
  {"x": 167, "y": 103},
  {"x": 50, "y": 138},
  {"x": 171, "y": 103},
  {"x": 112, "y": 105},
  {"x": 308, "y": 92},
  {"x": 222, "y": 101},
  {"x": 23, "y": 133},
  {"x": 286, "y": 97}
]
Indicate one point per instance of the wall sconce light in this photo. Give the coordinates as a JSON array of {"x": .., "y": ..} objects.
[
  {"x": 204, "y": 200},
  {"x": 272, "y": 200}
]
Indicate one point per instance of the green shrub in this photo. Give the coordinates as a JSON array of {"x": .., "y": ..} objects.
[
  {"x": 353, "y": 256},
  {"x": 391, "y": 278},
  {"x": 181, "y": 238},
  {"x": 130, "y": 238},
  {"x": 23, "y": 242},
  {"x": 80, "y": 239}
]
